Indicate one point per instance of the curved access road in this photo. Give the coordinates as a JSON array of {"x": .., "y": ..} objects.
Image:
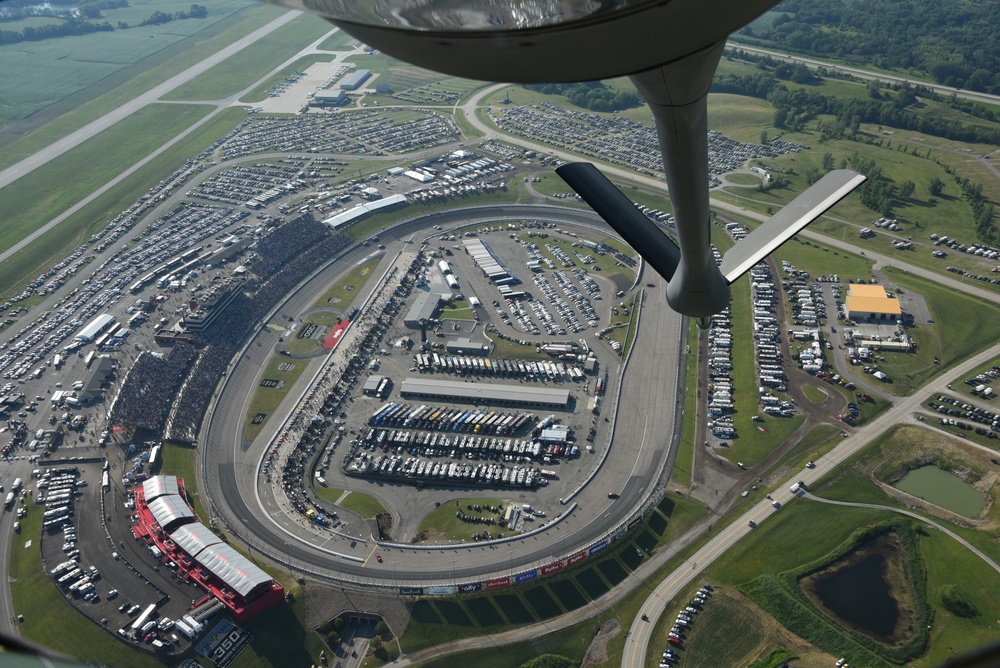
[
  {"x": 966, "y": 544},
  {"x": 641, "y": 633}
]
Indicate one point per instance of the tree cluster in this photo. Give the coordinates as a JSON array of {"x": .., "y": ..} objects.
[
  {"x": 67, "y": 28},
  {"x": 159, "y": 18},
  {"x": 73, "y": 26},
  {"x": 946, "y": 39},
  {"x": 794, "y": 108},
  {"x": 592, "y": 95}
]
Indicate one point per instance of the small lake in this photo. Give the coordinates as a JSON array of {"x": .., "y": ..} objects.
[
  {"x": 943, "y": 489},
  {"x": 859, "y": 595}
]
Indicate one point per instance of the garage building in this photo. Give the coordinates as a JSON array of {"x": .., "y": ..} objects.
[
  {"x": 483, "y": 393},
  {"x": 871, "y": 303},
  {"x": 424, "y": 307}
]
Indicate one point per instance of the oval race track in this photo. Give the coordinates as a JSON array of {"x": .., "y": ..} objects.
[{"x": 646, "y": 419}]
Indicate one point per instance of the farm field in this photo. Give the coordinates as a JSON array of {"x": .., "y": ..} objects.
[
  {"x": 23, "y": 138},
  {"x": 50, "y": 71}
]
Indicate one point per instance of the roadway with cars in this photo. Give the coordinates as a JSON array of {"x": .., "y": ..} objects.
[
  {"x": 645, "y": 415},
  {"x": 641, "y": 632}
]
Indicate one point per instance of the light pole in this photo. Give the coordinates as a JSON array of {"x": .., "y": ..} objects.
[
  {"x": 394, "y": 564},
  {"x": 454, "y": 577}
]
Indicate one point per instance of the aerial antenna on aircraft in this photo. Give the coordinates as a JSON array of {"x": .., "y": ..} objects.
[{"x": 668, "y": 48}]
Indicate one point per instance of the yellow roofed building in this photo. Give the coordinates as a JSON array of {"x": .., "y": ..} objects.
[{"x": 871, "y": 303}]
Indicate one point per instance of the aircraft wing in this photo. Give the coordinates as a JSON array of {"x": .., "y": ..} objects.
[{"x": 785, "y": 224}]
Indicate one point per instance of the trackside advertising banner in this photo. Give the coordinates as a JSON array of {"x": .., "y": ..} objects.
[
  {"x": 441, "y": 590},
  {"x": 576, "y": 558},
  {"x": 552, "y": 568},
  {"x": 524, "y": 577},
  {"x": 471, "y": 587},
  {"x": 497, "y": 583},
  {"x": 597, "y": 547}
]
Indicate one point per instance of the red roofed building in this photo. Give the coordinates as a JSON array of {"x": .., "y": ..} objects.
[{"x": 163, "y": 518}]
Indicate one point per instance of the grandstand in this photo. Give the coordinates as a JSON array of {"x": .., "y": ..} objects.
[{"x": 164, "y": 520}]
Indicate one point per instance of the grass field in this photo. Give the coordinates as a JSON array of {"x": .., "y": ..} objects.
[
  {"x": 61, "y": 118},
  {"x": 331, "y": 494},
  {"x": 919, "y": 215},
  {"x": 267, "y": 399},
  {"x": 182, "y": 461},
  {"x": 281, "y": 636},
  {"x": 813, "y": 445},
  {"x": 814, "y": 393},
  {"x": 606, "y": 266},
  {"x": 994, "y": 383},
  {"x": 625, "y": 335},
  {"x": 53, "y": 188},
  {"x": 507, "y": 349},
  {"x": 444, "y": 523},
  {"x": 438, "y": 620},
  {"x": 724, "y": 634},
  {"x": 341, "y": 295},
  {"x": 61, "y": 240},
  {"x": 947, "y": 562},
  {"x": 897, "y": 451},
  {"x": 739, "y": 117},
  {"x": 970, "y": 328},
  {"x": 564, "y": 643},
  {"x": 50, "y": 71},
  {"x": 684, "y": 461},
  {"x": 343, "y": 292},
  {"x": 254, "y": 63},
  {"x": 310, "y": 344},
  {"x": 362, "y": 504}
]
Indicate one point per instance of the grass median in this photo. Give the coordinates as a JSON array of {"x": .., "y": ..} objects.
[{"x": 58, "y": 242}]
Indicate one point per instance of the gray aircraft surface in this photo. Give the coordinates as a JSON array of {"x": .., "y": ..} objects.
[{"x": 669, "y": 49}]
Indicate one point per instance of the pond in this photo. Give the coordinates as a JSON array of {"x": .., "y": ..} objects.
[
  {"x": 859, "y": 595},
  {"x": 943, "y": 489}
]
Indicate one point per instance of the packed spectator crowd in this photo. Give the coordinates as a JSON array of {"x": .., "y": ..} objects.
[
  {"x": 139, "y": 404},
  {"x": 285, "y": 257}
]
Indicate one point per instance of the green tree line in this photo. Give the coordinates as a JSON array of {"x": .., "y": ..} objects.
[
  {"x": 592, "y": 95},
  {"x": 951, "y": 41}
]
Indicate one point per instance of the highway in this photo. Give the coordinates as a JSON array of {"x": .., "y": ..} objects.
[{"x": 867, "y": 75}]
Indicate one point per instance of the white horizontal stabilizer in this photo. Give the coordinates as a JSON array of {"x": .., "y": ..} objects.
[{"x": 781, "y": 227}]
